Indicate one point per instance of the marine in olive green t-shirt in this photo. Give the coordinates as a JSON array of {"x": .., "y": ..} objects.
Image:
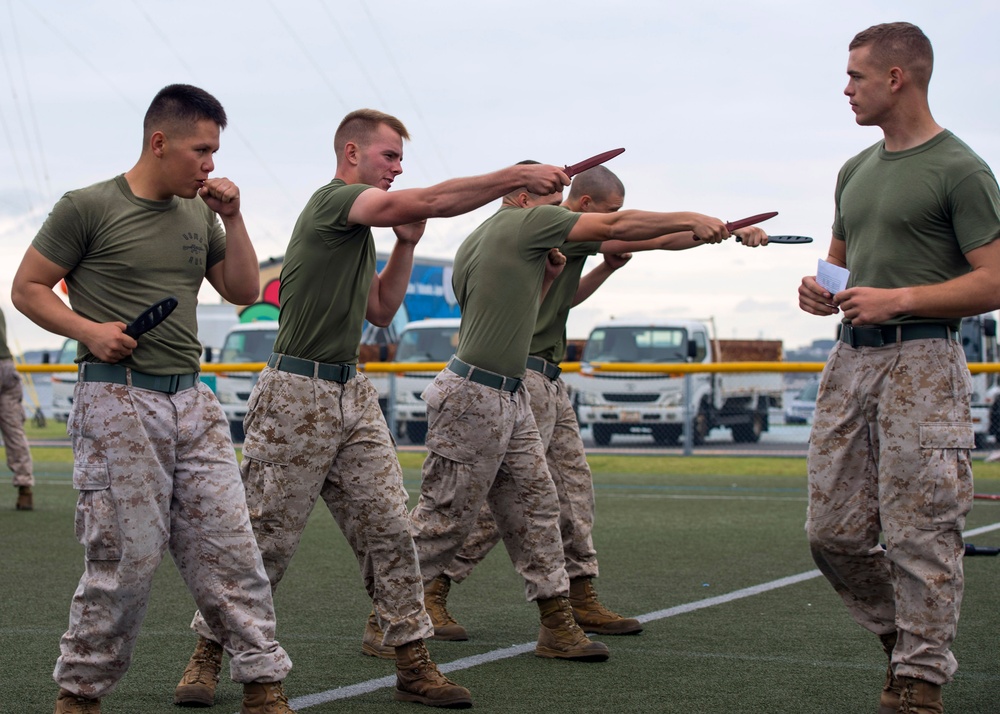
[
  {"x": 147, "y": 251},
  {"x": 498, "y": 277},
  {"x": 909, "y": 217},
  {"x": 326, "y": 275},
  {"x": 549, "y": 340}
]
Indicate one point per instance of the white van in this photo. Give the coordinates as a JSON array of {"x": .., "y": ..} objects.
[
  {"x": 247, "y": 342},
  {"x": 431, "y": 340}
]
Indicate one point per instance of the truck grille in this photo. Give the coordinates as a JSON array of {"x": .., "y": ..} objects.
[{"x": 630, "y": 398}]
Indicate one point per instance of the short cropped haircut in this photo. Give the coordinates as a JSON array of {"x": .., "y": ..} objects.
[
  {"x": 360, "y": 127},
  {"x": 512, "y": 196},
  {"x": 178, "y": 107},
  {"x": 600, "y": 183},
  {"x": 899, "y": 44}
]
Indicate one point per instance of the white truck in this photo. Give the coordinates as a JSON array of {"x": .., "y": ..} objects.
[
  {"x": 247, "y": 342},
  {"x": 653, "y": 402},
  {"x": 979, "y": 341},
  {"x": 431, "y": 340}
]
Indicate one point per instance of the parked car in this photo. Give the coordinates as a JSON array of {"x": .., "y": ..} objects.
[{"x": 801, "y": 407}]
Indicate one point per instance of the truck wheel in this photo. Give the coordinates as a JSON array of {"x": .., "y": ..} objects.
[
  {"x": 749, "y": 433},
  {"x": 416, "y": 431},
  {"x": 980, "y": 440},
  {"x": 666, "y": 435},
  {"x": 602, "y": 434},
  {"x": 236, "y": 431}
]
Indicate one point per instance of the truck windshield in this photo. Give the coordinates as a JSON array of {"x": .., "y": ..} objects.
[
  {"x": 249, "y": 346},
  {"x": 427, "y": 344},
  {"x": 637, "y": 344}
]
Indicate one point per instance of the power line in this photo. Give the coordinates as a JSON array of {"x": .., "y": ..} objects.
[
  {"x": 404, "y": 85},
  {"x": 46, "y": 182}
]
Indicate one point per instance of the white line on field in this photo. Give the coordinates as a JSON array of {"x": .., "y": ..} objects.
[{"x": 312, "y": 700}]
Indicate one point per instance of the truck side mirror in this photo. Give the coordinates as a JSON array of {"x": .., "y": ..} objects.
[
  {"x": 208, "y": 355},
  {"x": 572, "y": 353},
  {"x": 692, "y": 352},
  {"x": 990, "y": 327}
]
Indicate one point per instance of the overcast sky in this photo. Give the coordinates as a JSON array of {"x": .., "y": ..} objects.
[{"x": 727, "y": 108}]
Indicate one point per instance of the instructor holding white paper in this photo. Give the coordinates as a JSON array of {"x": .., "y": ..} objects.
[{"x": 916, "y": 222}]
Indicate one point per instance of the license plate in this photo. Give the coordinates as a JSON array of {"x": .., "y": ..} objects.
[{"x": 631, "y": 416}]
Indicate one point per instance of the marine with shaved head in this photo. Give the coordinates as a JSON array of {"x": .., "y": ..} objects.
[{"x": 600, "y": 191}]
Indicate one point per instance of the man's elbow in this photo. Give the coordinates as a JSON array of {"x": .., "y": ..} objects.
[{"x": 379, "y": 320}]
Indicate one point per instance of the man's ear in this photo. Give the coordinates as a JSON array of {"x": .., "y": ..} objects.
[
  {"x": 351, "y": 151},
  {"x": 156, "y": 143},
  {"x": 585, "y": 203}
]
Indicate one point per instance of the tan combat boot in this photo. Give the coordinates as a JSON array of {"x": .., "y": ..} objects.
[
  {"x": 418, "y": 680},
  {"x": 561, "y": 638},
  {"x": 591, "y": 615},
  {"x": 265, "y": 698},
  {"x": 371, "y": 641},
  {"x": 24, "y": 499},
  {"x": 436, "y": 603},
  {"x": 197, "y": 685},
  {"x": 919, "y": 697},
  {"x": 888, "y": 702},
  {"x": 69, "y": 703}
]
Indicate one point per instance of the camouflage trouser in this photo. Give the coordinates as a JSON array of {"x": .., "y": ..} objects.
[
  {"x": 567, "y": 462},
  {"x": 158, "y": 471},
  {"x": 889, "y": 452},
  {"x": 308, "y": 438},
  {"x": 483, "y": 447},
  {"x": 12, "y": 425}
]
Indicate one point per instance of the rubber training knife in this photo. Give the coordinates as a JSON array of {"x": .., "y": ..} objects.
[
  {"x": 590, "y": 163},
  {"x": 151, "y": 317},
  {"x": 751, "y": 220},
  {"x": 784, "y": 239}
]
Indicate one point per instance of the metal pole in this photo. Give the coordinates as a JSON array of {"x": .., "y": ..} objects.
[{"x": 688, "y": 417}]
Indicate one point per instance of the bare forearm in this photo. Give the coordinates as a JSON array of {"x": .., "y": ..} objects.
[
  {"x": 590, "y": 282},
  {"x": 389, "y": 288},
  {"x": 240, "y": 279}
]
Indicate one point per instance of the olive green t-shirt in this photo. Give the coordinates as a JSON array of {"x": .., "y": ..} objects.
[
  {"x": 549, "y": 340},
  {"x": 325, "y": 278},
  {"x": 4, "y": 349},
  {"x": 909, "y": 217},
  {"x": 125, "y": 253},
  {"x": 498, "y": 277}
]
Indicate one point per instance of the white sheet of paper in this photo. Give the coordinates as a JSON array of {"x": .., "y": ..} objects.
[{"x": 832, "y": 277}]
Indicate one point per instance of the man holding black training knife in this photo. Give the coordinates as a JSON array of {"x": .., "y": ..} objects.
[{"x": 153, "y": 459}]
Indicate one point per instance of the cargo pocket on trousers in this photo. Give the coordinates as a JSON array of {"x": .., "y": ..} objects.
[
  {"x": 448, "y": 432},
  {"x": 948, "y": 460},
  {"x": 97, "y": 526}
]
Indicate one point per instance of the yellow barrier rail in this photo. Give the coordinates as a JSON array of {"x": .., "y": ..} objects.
[{"x": 673, "y": 368}]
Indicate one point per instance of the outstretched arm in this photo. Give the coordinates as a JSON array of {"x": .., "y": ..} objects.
[
  {"x": 644, "y": 225},
  {"x": 454, "y": 197},
  {"x": 750, "y": 237}
]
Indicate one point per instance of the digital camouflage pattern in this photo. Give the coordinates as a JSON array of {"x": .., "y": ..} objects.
[
  {"x": 484, "y": 448},
  {"x": 157, "y": 471},
  {"x": 889, "y": 453},
  {"x": 566, "y": 459},
  {"x": 311, "y": 438},
  {"x": 12, "y": 424}
]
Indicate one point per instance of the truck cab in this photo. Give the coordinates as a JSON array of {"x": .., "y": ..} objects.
[
  {"x": 652, "y": 401},
  {"x": 431, "y": 340},
  {"x": 245, "y": 343}
]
